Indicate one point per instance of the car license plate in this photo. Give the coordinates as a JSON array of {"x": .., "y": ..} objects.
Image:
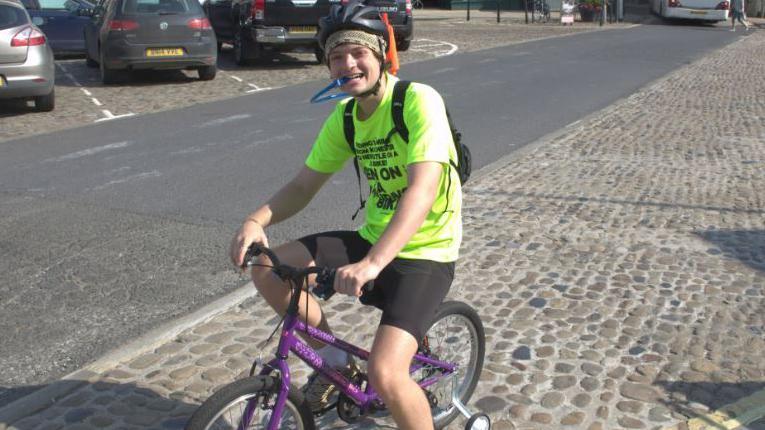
[
  {"x": 699, "y": 12},
  {"x": 164, "y": 52},
  {"x": 302, "y": 29}
]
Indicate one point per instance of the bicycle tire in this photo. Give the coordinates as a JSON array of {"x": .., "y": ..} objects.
[
  {"x": 445, "y": 348},
  {"x": 210, "y": 415}
]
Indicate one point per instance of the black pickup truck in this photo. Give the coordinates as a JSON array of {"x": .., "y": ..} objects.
[{"x": 257, "y": 28}]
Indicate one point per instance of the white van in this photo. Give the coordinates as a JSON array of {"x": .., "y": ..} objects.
[{"x": 701, "y": 10}]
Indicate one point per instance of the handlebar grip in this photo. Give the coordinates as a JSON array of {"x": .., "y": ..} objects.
[
  {"x": 249, "y": 256},
  {"x": 255, "y": 250},
  {"x": 325, "y": 287}
]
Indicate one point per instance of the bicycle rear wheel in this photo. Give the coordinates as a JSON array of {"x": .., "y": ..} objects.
[
  {"x": 225, "y": 409},
  {"x": 457, "y": 336}
]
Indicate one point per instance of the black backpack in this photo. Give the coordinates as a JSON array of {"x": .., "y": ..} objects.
[{"x": 463, "y": 166}]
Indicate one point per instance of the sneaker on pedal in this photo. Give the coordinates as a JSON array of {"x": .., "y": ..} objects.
[{"x": 318, "y": 392}]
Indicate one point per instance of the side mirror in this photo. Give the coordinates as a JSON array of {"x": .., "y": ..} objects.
[{"x": 38, "y": 21}]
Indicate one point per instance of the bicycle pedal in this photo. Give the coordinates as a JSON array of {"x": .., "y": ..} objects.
[{"x": 324, "y": 410}]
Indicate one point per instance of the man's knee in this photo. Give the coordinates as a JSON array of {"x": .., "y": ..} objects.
[
  {"x": 385, "y": 379},
  {"x": 381, "y": 378}
]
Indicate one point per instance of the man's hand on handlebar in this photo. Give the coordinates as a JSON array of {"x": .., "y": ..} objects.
[
  {"x": 350, "y": 279},
  {"x": 250, "y": 232}
]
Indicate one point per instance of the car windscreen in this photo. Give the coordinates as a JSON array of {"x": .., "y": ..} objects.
[
  {"x": 131, "y": 7},
  {"x": 31, "y": 4},
  {"x": 68, "y": 5},
  {"x": 12, "y": 16}
]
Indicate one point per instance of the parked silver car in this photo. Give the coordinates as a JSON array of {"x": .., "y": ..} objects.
[{"x": 27, "y": 69}]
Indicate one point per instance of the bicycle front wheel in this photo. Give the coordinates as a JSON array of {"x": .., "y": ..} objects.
[
  {"x": 254, "y": 396},
  {"x": 457, "y": 336}
]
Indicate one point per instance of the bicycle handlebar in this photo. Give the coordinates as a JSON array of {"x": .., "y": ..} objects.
[{"x": 325, "y": 276}]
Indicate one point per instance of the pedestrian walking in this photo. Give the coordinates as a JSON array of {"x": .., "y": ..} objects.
[{"x": 737, "y": 13}]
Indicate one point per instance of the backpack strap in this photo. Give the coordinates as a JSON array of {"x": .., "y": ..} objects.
[
  {"x": 348, "y": 124},
  {"x": 457, "y": 138},
  {"x": 397, "y": 108},
  {"x": 350, "y": 135}
]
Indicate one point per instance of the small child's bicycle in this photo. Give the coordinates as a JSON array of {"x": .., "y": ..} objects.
[{"x": 447, "y": 367}]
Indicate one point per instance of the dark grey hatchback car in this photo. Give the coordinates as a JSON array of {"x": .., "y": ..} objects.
[{"x": 125, "y": 35}]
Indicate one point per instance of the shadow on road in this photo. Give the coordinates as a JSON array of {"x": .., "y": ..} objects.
[
  {"x": 746, "y": 246},
  {"x": 102, "y": 404},
  {"x": 685, "y": 397},
  {"x": 126, "y": 405},
  {"x": 15, "y": 107}
]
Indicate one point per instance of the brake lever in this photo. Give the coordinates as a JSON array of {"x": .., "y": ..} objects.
[{"x": 325, "y": 288}]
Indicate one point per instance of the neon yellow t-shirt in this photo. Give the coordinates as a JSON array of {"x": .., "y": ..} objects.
[{"x": 383, "y": 158}]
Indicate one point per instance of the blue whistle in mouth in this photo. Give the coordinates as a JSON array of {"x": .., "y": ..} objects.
[{"x": 322, "y": 95}]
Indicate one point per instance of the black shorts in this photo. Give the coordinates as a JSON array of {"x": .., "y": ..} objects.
[{"x": 407, "y": 291}]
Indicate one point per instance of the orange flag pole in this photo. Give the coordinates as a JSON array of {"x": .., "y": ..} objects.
[{"x": 392, "y": 54}]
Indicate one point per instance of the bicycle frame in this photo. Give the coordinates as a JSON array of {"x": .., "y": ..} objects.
[{"x": 289, "y": 342}]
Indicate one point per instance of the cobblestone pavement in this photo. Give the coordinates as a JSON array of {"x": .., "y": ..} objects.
[
  {"x": 437, "y": 33},
  {"x": 619, "y": 269}
]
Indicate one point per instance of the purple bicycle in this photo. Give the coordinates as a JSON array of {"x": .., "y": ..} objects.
[{"x": 447, "y": 367}]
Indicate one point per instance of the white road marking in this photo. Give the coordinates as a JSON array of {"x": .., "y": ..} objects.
[
  {"x": 220, "y": 121},
  {"x": 428, "y": 46},
  {"x": 107, "y": 114},
  {"x": 254, "y": 87},
  {"x": 91, "y": 151},
  {"x": 280, "y": 138},
  {"x": 138, "y": 176},
  {"x": 444, "y": 70},
  {"x": 257, "y": 88},
  {"x": 192, "y": 150},
  {"x": 446, "y": 48}
]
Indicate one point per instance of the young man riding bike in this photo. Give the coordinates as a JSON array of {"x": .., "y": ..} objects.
[{"x": 412, "y": 230}]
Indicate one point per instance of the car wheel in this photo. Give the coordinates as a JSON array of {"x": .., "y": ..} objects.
[
  {"x": 245, "y": 49},
  {"x": 402, "y": 45},
  {"x": 109, "y": 76},
  {"x": 89, "y": 61},
  {"x": 240, "y": 48},
  {"x": 207, "y": 73},
  {"x": 46, "y": 103}
]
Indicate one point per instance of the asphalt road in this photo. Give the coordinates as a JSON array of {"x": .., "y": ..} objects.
[{"x": 110, "y": 229}]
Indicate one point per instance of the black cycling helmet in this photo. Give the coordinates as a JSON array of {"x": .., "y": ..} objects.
[{"x": 354, "y": 15}]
